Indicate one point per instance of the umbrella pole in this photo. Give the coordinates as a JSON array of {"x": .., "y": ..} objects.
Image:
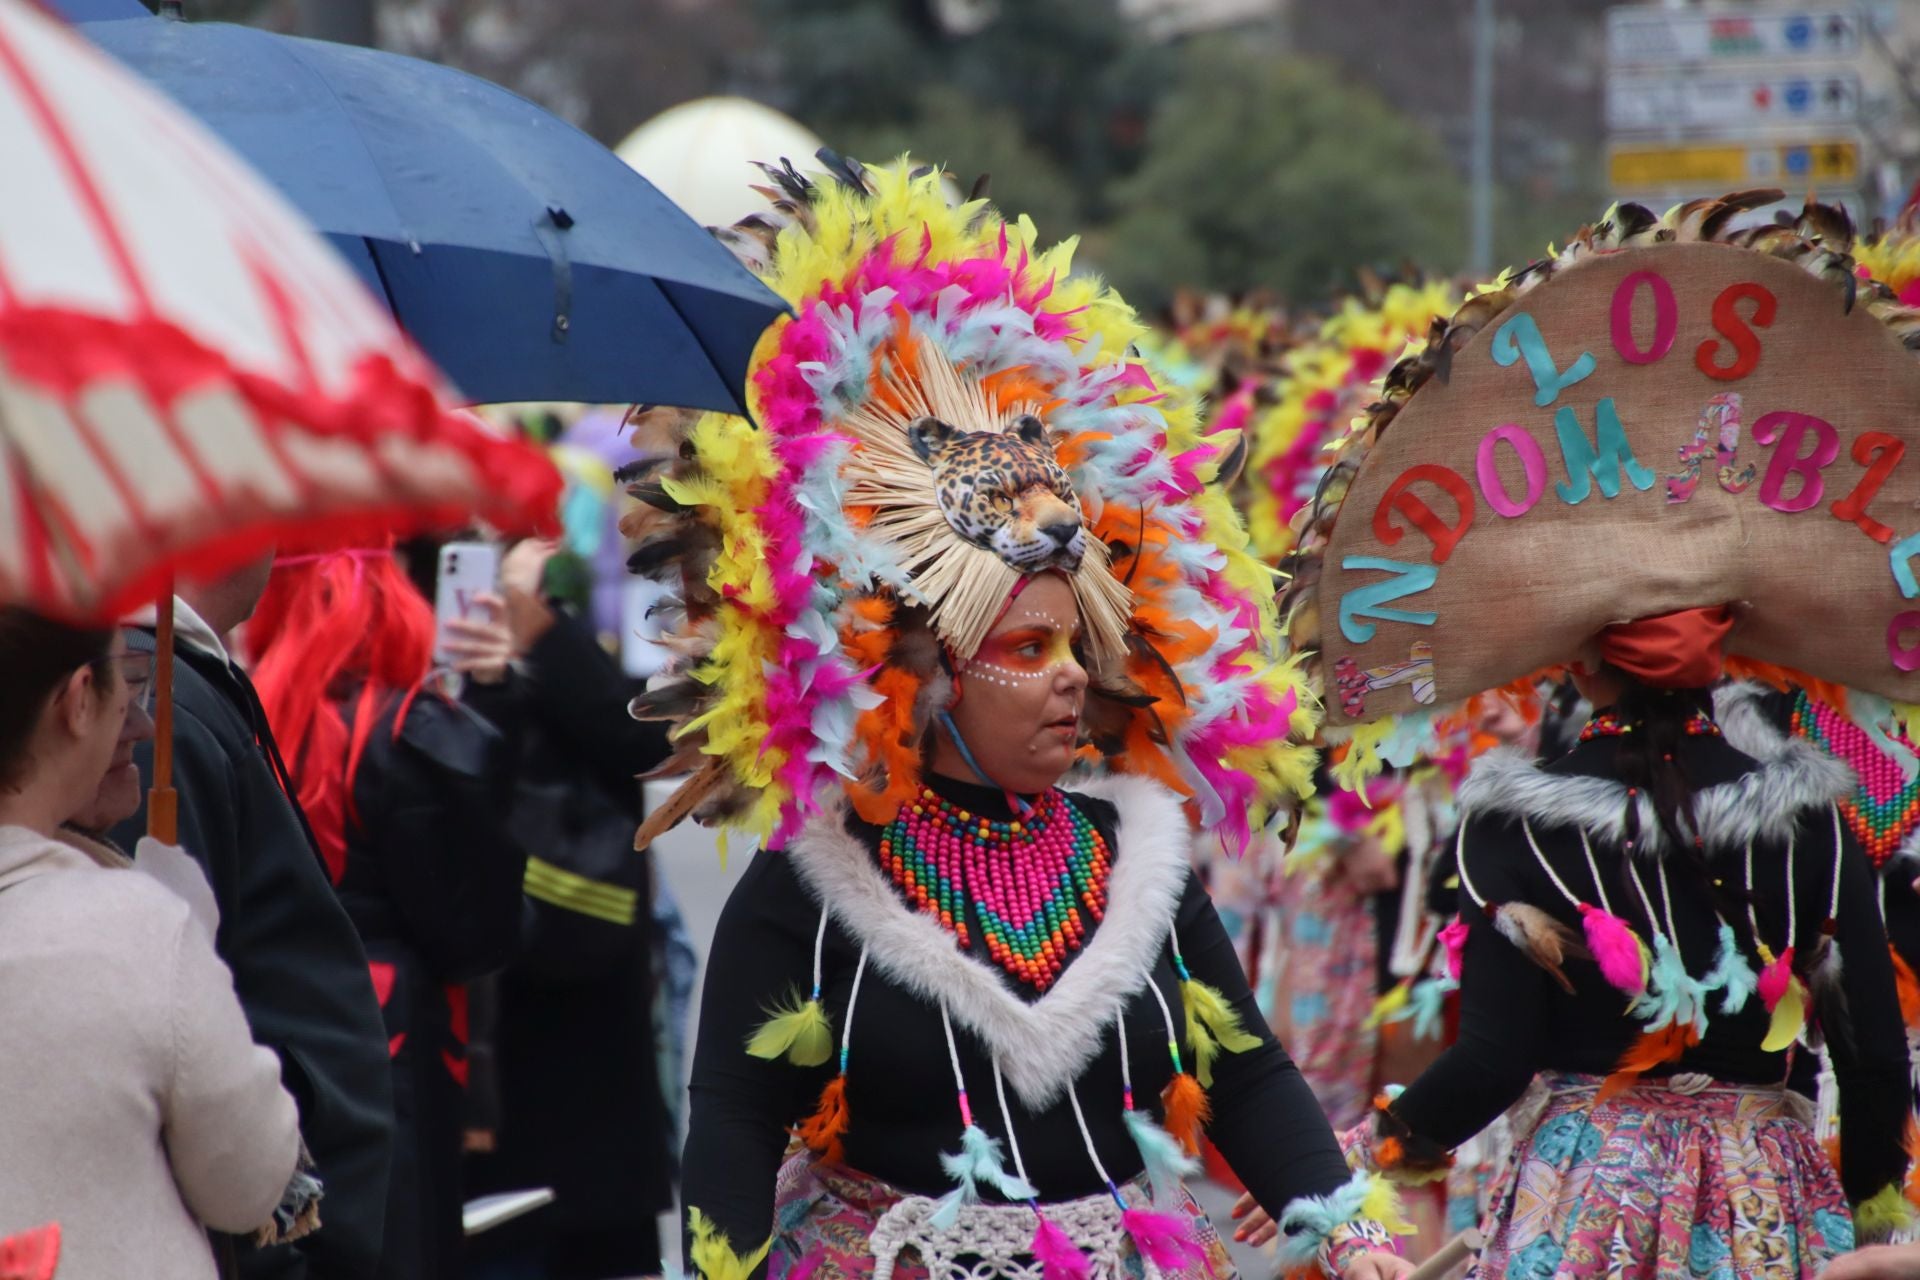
[{"x": 163, "y": 804}]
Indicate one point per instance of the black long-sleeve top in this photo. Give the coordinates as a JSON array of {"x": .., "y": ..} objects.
[
  {"x": 900, "y": 1086},
  {"x": 1516, "y": 1022}
]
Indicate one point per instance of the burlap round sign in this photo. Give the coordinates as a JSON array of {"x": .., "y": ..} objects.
[{"x": 1647, "y": 430}]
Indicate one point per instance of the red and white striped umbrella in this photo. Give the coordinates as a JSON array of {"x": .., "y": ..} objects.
[{"x": 186, "y": 371}]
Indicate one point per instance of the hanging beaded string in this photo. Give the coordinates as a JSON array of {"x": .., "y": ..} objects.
[
  {"x": 1526, "y": 829},
  {"x": 953, "y": 1059},
  {"x": 1086, "y": 1137},
  {"x": 1006, "y": 1118},
  {"x": 823, "y": 1130},
  {"x": 1593, "y": 869},
  {"x": 802, "y": 1034},
  {"x": 819, "y": 951},
  {"x": 1777, "y": 978},
  {"x": 1173, "y": 1034},
  {"x": 1828, "y": 926},
  {"x": 1653, "y": 908},
  {"x": 1460, "y": 864}
]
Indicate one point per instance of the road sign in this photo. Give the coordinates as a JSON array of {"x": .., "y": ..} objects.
[
  {"x": 1651, "y": 36},
  {"x": 1758, "y": 101},
  {"x": 1709, "y": 168}
]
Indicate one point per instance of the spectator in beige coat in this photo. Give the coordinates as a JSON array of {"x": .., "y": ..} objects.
[{"x": 135, "y": 1109}]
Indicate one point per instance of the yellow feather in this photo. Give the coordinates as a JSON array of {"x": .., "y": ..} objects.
[
  {"x": 1382, "y": 1205},
  {"x": 797, "y": 1030},
  {"x": 1877, "y": 1218},
  {"x": 1212, "y": 1025},
  {"x": 1388, "y": 1005},
  {"x": 1789, "y": 1018},
  {"x": 713, "y": 1255}
]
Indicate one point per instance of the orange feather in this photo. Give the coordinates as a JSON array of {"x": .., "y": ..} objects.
[
  {"x": 1187, "y": 1110},
  {"x": 1652, "y": 1049},
  {"x": 888, "y": 730},
  {"x": 823, "y": 1130},
  {"x": 1908, "y": 986}
]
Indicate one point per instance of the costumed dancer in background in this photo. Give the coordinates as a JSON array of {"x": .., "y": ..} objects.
[
  {"x": 406, "y": 790},
  {"x": 968, "y": 545},
  {"x": 1227, "y": 351},
  {"x": 1648, "y": 924},
  {"x": 1344, "y": 910}
]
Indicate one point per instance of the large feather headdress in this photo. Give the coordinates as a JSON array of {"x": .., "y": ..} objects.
[{"x": 829, "y": 582}]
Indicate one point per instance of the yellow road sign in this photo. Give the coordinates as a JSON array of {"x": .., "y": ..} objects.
[{"x": 1703, "y": 165}]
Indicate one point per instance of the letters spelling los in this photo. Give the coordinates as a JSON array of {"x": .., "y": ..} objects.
[{"x": 1648, "y": 430}]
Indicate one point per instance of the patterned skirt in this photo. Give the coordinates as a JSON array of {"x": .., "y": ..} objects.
[
  {"x": 1726, "y": 1183},
  {"x": 826, "y": 1216}
]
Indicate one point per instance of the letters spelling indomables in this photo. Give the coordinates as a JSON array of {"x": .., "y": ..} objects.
[{"x": 1721, "y": 331}]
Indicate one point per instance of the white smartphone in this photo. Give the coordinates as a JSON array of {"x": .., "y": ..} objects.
[{"x": 468, "y": 570}]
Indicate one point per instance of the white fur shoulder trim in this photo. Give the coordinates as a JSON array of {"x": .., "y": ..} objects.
[
  {"x": 1793, "y": 776},
  {"x": 1041, "y": 1047}
]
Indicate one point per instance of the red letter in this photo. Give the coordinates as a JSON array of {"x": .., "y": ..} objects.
[
  {"x": 1727, "y": 322},
  {"x": 1666, "y": 318},
  {"x": 1879, "y": 453},
  {"x": 1419, "y": 514}
]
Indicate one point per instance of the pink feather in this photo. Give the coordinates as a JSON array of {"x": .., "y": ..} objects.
[
  {"x": 1774, "y": 979},
  {"x": 805, "y": 1267},
  {"x": 1454, "y": 938},
  {"x": 1059, "y": 1257},
  {"x": 1616, "y": 948},
  {"x": 1164, "y": 1240}
]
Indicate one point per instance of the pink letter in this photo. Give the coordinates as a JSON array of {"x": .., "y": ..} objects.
[
  {"x": 1791, "y": 429},
  {"x": 1666, "y": 318},
  {"x": 1531, "y": 459},
  {"x": 1905, "y": 657}
]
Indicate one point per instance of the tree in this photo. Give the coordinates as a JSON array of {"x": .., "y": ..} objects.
[
  {"x": 949, "y": 128},
  {"x": 1275, "y": 172},
  {"x": 1064, "y": 82}
]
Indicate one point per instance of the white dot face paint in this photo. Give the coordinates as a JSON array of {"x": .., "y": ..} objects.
[{"x": 1028, "y": 645}]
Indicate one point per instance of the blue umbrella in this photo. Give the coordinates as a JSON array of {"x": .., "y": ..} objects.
[{"x": 528, "y": 260}]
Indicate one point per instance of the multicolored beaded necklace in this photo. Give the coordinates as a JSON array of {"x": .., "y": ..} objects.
[
  {"x": 1609, "y": 725},
  {"x": 1031, "y": 881},
  {"x": 1885, "y": 807}
]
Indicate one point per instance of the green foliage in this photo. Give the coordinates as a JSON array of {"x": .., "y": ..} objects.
[
  {"x": 948, "y": 128},
  {"x": 1273, "y": 172}
]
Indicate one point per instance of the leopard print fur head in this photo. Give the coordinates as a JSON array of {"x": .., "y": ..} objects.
[{"x": 1005, "y": 492}]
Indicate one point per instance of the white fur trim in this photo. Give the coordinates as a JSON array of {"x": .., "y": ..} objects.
[
  {"x": 1793, "y": 776},
  {"x": 1041, "y": 1047}
]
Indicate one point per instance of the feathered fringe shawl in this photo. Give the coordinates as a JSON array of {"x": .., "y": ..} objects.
[{"x": 1793, "y": 777}]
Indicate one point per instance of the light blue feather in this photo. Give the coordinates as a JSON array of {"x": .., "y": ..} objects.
[
  {"x": 1673, "y": 995},
  {"x": 1425, "y": 1004},
  {"x": 1307, "y": 1221},
  {"x": 1731, "y": 975},
  {"x": 977, "y": 1162},
  {"x": 1167, "y": 1162}
]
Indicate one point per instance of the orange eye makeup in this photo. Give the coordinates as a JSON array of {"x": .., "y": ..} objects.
[{"x": 1023, "y": 654}]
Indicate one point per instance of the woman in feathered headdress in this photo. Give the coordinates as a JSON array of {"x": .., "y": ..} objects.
[
  {"x": 969, "y": 545},
  {"x": 1649, "y": 924}
]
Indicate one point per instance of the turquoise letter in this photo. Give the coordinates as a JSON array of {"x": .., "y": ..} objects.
[
  {"x": 1602, "y": 460},
  {"x": 1520, "y": 338},
  {"x": 1369, "y": 601},
  {"x": 1903, "y": 552}
]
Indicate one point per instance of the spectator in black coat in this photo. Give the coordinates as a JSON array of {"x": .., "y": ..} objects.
[
  {"x": 581, "y": 1109},
  {"x": 297, "y": 964},
  {"x": 407, "y": 788}
]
